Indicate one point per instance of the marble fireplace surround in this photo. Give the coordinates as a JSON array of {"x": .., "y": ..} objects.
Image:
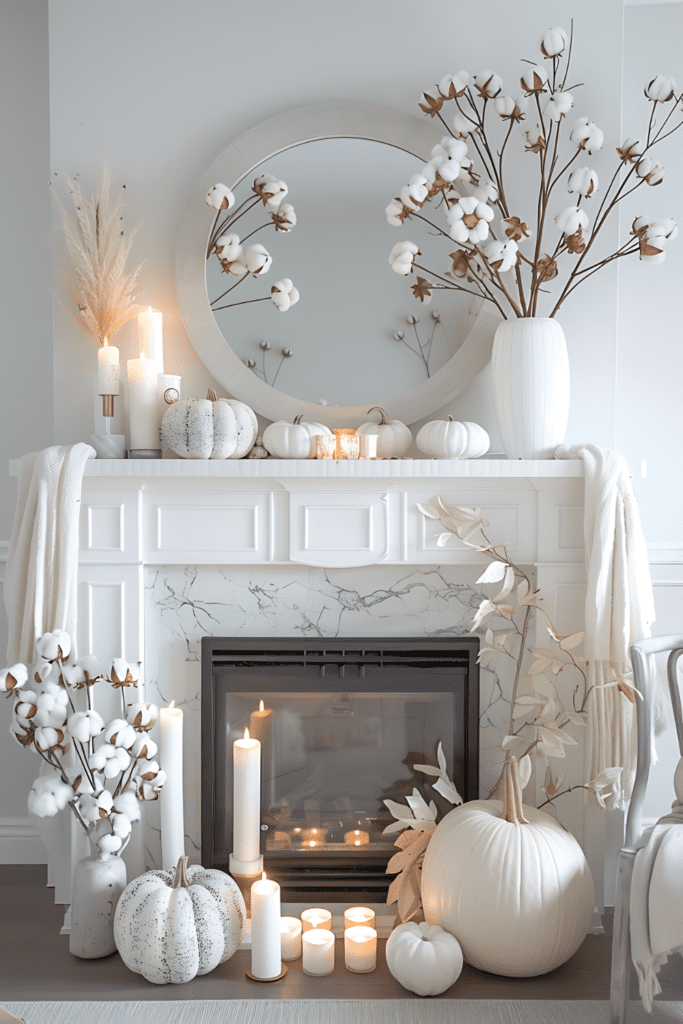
[{"x": 173, "y": 550}]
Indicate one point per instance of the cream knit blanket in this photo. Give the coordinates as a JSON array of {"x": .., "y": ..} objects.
[{"x": 619, "y": 608}]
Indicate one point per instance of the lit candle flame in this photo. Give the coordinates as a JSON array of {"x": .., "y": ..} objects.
[
  {"x": 263, "y": 877},
  {"x": 357, "y": 832},
  {"x": 260, "y": 706},
  {"x": 357, "y": 842},
  {"x": 312, "y": 842},
  {"x": 142, "y": 355},
  {"x": 246, "y": 734},
  {"x": 105, "y": 343}
]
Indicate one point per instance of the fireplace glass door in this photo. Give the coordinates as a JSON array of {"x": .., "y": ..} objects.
[{"x": 341, "y": 725}]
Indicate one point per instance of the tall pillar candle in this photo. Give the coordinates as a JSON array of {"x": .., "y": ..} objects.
[
  {"x": 143, "y": 435},
  {"x": 261, "y": 728},
  {"x": 266, "y": 952},
  {"x": 171, "y": 795},
  {"x": 150, "y": 336},
  {"x": 246, "y": 858}
]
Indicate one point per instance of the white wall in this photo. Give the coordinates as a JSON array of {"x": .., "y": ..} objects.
[{"x": 160, "y": 88}]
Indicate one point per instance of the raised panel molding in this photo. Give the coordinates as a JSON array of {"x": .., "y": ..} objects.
[
  {"x": 20, "y": 842},
  {"x": 339, "y": 530},
  {"x": 209, "y": 528},
  {"x": 109, "y": 526}
]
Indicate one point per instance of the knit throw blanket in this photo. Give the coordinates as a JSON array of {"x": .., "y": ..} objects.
[
  {"x": 42, "y": 565},
  {"x": 619, "y": 608}
]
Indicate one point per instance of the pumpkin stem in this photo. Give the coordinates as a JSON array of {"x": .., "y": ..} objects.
[
  {"x": 512, "y": 802},
  {"x": 298, "y": 419},
  {"x": 211, "y": 395},
  {"x": 451, "y": 420},
  {"x": 382, "y": 413},
  {"x": 181, "y": 880}
]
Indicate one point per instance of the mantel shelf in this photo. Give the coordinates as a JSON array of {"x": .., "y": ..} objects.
[{"x": 328, "y": 469}]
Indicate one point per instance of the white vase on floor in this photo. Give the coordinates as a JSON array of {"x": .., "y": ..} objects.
[
  {"x": 530, "y": 381},
  {"x": 98, "y": 882}
]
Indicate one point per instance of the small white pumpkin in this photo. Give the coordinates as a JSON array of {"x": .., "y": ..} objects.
[
  {"x": 247, "y": 427},
  {"x": 449, "y": 439},
  {"x": 393, "y": 437},
  {"x": 200, "y": 428},
  {"x": 170, "y": 926},
  {"x": 509, "y": 882},
  {"x": 423, "y": 958},
  {"x": 292, "y": 440}
]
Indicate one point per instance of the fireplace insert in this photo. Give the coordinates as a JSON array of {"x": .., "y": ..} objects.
[{"x": 342, "y": 722}]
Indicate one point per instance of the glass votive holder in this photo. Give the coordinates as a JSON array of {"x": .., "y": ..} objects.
[
  {"x": 317, "y": 950},
  {"x": 325, "y": 446},
  {"x": 349, "y": 446},
  {"x": 355, "y": 916},
  {"x": 356, "y": 838},
  {"x": 290, "y": 937},
  {"x": 368, "y": 446},
  {"x": 316, "y": 918},
  {"x": 360, "y": 949},
  {"x": 340, "y": 432}
]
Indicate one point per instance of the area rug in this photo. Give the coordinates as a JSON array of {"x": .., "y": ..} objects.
[{"x": 333, "y": 1011}]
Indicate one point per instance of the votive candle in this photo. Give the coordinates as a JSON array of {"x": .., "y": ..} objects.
[
  {"x": 355, "y": 916},
  {"x": 325, "y": 446},
  {"x": 316, "y": 918},
  {"x": 360, "y": 949},
  {"x": 266, "y": 955},
  {"x": 356, "y": 838},
  {"x": 171, "y": 795},
  {"x": 290, "y": 935},
  {"x": 317, "y": 947}
]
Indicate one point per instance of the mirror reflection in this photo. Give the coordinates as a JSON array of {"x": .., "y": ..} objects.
[{"x": 348, "y": 339}]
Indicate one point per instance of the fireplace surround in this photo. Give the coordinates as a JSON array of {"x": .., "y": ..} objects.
[{"x": 342, "y": 721}]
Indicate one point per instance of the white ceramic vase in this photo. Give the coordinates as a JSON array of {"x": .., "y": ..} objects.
[
  {"x": 530, "y": 381},
  {"x": 98, "y": 882}
]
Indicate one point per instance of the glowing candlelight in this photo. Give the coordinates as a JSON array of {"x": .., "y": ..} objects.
[
  {"x": 316, "y": 917},
  {"x": 171, "y": 796},
  {"x": 245, "y": 858},
  {"x": 318, "y": 952},
  {"x": 266, "y": 956}
]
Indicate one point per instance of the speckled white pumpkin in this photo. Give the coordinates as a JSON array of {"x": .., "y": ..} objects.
[
  {"x": 247, "y": 427},
  {"x": 171, "y": 926},
  {"x": 200, "y": 428}
]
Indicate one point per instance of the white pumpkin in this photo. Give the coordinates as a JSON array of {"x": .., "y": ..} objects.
[
  {"x": 393, "y": 437},
  {"x": 170, "y": 926},
  {"x": 200, "y": 428},
  {"x": 509, "y": 882},
  {"x": 292, "y": 440},
  {"x": 449, "y": 439},
  {"x": 247, "y": 427},
  {"x": 423, "y": 958}
]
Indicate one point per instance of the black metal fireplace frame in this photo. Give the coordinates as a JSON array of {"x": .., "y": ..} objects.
[{"x": 369, "y": 882}]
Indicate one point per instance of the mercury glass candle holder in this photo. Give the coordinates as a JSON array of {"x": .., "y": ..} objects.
[
  {"x": 348, "y": 443},
  {"x": 325, "y": 446}
]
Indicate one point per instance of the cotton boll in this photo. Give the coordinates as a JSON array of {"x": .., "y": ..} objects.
[
  {"x": 110, "y": 843},
  {"x": 258, "y": 260},
  {"x": 124, "y": 673},
  {"x": 74, "y": 676},
  {"x": 52, "y": 646},
  {"x": 559, "y": 104},
  {"x": 127, "y": 803},
  {"x": 121, "y": 825},
  {"x": 284, "y": 218},
  {"x": 228, "y": 247},
  {"x": 284, "y": 294},
  {"x": 394, "y": 212},
  {"x": 120, "y": 734},
  {"x": 79, "y": 782},
  {"x": 571, "y": 219},
  {"x": 488, "y": 84},
  {"x": 586, "y": 135},
  {"x": 651, "y": 171},
  {"x": 464, "y": 126},
  {"x": 401, "y": 257},
  {"x": 487, "y": 192},
  {"x": 220, "y": 197},
  {"x": 49, "y": 794},
  {"x": 554, "y": 42},
  {"x": 271, "y": 190},
  {"x": 25, "y": 709},
  {"x": 142, "y": 716},
  {"x": 534, "y": 79},
  {"x": 665, "y": 227},
  {"x": 510, "y": 109},
  {"x": 454, "y": 86},
  {"x": 584, "y": 181},
  {"x": 144, "y": 748},
  {"x": 661, "y": 89},
  {"x": 630, "y": 150},
  {"x": 501, "y": 256},
  {"x": 93, "y": 808},
  {"x": 84, "y": 725},
  {"x": 469, "y": 220},
  {"x": 48, "y": 738},
  {"x": 13, "y": 678}
]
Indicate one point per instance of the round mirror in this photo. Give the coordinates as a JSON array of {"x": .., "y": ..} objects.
[{"x": 347, "y": 344}]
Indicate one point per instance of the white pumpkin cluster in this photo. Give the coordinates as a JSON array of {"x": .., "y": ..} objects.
[
  {"x": 465, "y": 178},
  {"x": 118, "y": 753}
]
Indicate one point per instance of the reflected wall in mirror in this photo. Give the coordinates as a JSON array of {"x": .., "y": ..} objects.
[
  {"x": 344, "y": 332},
  {"x": 343, "y": 163}
]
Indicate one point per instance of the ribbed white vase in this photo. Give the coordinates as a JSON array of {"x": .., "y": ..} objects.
[{"x": 530, "y": 380}]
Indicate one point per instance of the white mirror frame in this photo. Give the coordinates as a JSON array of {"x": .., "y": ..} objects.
[{"x": 244, "y": 155}]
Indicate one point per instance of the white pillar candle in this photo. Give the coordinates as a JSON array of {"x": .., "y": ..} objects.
[
  {"x": 150, "y": 339},
  {"x": 316, "y": 917},
  {"x": 266, "y": 957},
  {"x": 171, "y": 795},
  {"x": 245, "y": 858},
  {"x": 261, "y": 728},
  {"x": 290, "y": 935},
  {"x": 359, "y": 915},
  {"x": 317, "y": 948},
  {"x": 142, "y": 404},
  {"x": 360, "y": 949},
  {"x": 108, "y": 369}
]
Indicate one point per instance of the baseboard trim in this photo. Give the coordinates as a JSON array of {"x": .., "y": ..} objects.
[{"x": 20, "y": 843}]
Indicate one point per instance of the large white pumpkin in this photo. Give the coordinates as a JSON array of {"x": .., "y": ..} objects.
[
  {"x": 200, "y": 428},
  {"x": 424, "y": 958},
  {"x": 393, "y": 437},
  {"x": 170, "y": 926},
  {"x": 517, "y": 894},
  {"x": 292, "y": 440},
  {"x": 247, "y": 427},
  {"x": 449, "y": 439}
]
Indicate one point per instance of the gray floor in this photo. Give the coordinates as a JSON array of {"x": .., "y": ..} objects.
[{"x": 36, "y": 965}]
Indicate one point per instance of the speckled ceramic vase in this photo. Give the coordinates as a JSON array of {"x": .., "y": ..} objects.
[{"x": 98, "y": 882}]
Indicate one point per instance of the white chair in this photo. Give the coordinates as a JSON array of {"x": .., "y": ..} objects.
[{"x": 643, "y": 660}]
